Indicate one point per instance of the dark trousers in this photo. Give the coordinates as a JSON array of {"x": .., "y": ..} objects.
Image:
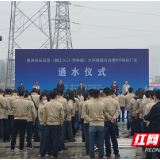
[
  {"x": 151, "y": 155},
  {"x": 86, "y": 135},
  {"x": 54, "y": 132},
  {"x": 1, "y": 129},
  {"x": 65, "y": 129},
  {"x": 83, "y": 139},
  {"x": 10, "y": 125},
  {"x": 73, "y": 128},
  {"x": 69, "y": 132},
  {"x": 62, "y": 137},
  {"x": 29, "y": 134},
  {"x": 133, "y": 126},
  {"x": 122, "y": 109},
  {"x": 110, "y": 132},
  {"x": 19, "y": 125},
  {"x": 143, "y": 125},
  {"x": 5, "y": 127},
  {"x": 37, "y": 135},
  {"x": 42, "y": 130},
  {"x": 116, "y": 128},
  {"x": 96, "y": 131}
]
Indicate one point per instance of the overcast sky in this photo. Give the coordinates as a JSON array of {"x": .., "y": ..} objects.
[{"x": 122, "y": 25}]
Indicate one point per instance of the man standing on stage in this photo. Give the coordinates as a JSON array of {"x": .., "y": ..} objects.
[
  {"x": 60, "y": 86},
  {"x": 20, "y": 86},
  {"x": 115, "y": 87},
  {"x": 36, "y": 86},
  {"x": 125, "y": 88},
  {"x": 81, "y": 88}
]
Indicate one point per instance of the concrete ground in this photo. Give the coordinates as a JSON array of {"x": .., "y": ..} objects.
[{"x": 76, "y": 150}]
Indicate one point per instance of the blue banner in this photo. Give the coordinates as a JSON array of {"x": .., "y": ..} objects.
[{"x": 96, "y": 68}]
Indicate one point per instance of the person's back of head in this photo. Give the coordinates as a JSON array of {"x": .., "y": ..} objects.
[
  {"x": 137, "y": 93},
  {"x": 80, "y": 93},
  {"x": 34, "y": 90},
  {"x": 91, "y": 92},
  {"x": 141, "y": 93},
  {"x": 148, "y": 93},
  {"x": 74, "y": 90},
  {"x": 26, "y": 94},
  {"x": 39, "y": 91},
  {"x": 75, "y": 94},
  {"x": 65, "y": 95},
  {"x": 101, "y": 94},
  {"x": 58, "y": 91},
  {"x": 61, "y": 92},
  {"x": 107, "y": 91},
  {"x": 141, "y": 89},
  {"x": 8, "y": 91},
  {"x": 157, "y": 94},
  {"x": 21, "y": 92},
  {"x": 112, "y": 91},
  {"x": 120, "y": 92},
  {"x": 71, "y": 96},
  {"x": 87, "y": 91},
  {"x": 85, "y": 96},
  {"x": 130, "y": 89},
  {"x": 96, "y": 93},
  {"x": 151, "y": 94},
  {"x": 14, "y": 91},
  {"x": 68, "y": 90},
  {"x": 53, "y": 94}
]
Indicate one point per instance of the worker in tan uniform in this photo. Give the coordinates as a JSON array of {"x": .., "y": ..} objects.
[
  {"x": 63, "y": 102},
  {"x": 116, "y": 120},
  {"x": 43, "y": 101},
  {"x": 5, "y": 117},
  {"x": 133, "y": 107},
  {"x": 20, "y": 112},
  {"x": 121, "y": 100},
  {"x": 31, "y": 120},
  {"x": 2, "y": 106},
  {"x": 143, "y": 108},
  {"x": 53, "y": 118},
  {"x": 128, "y": 98},
  {"x": 8, "y": 95},
  {"x": 35, "y": 99},
  {"x": 95, "y": 117},
  {"x": 81, "y": 120},
  {"x": 69, "y": 114},
  {"x": 149, "y": 106},
  {"x": 112, "y": 111},
  {"x": 86, "y": 123}
]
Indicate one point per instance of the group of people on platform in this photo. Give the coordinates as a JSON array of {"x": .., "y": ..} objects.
[{"x": 52, "y": 116}]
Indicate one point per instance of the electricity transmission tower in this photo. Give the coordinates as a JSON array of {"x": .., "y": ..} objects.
[
  {"x": 19, "y": 23},
  {"x": 62, "y": 34}
]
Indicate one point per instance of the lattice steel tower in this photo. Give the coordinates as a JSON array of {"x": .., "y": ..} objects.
[
  {"x": 62, "y": 34},
  {"x": 20, "y": 22}
]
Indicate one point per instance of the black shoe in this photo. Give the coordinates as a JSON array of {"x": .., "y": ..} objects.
[
  {"x": 64, "y": 148},
  {"x": 117, "y": 155},
  {"x": 42, "y": 157},
  {"x": 108, "y": 156},
  {"x": 55, "y": 157}
]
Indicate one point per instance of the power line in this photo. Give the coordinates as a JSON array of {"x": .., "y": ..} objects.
[
  {"x": 130, "y": 29},
  {"x": 114, "y": 10}
]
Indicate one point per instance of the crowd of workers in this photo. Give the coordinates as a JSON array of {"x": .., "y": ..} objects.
[{"x": 53, "y": 117}]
